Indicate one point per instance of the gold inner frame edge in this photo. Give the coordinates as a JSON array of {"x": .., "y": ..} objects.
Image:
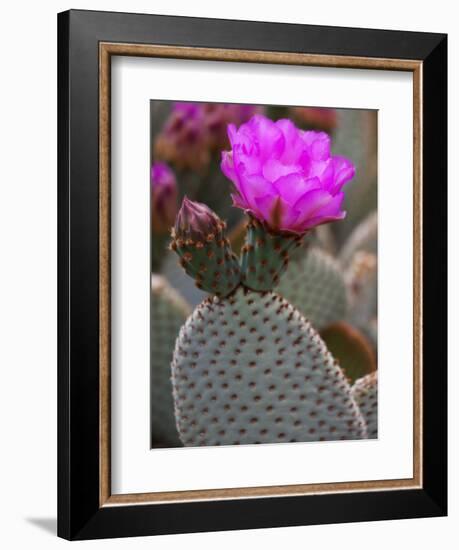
[{"x": 106, "y": 51}]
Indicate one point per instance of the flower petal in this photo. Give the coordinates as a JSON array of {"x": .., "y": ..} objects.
[
  {"x": 310, "y": 203},
  {"x": 278, "y": 214},
  {"x": 227, "y": 166},
  {"x": 294, "y": 145},
  {"x": 239, "y": 202},
  {"x": 273, "y": 169},
  {"x": 250, "y": 163},
  {"x": 318, "y": 144},
  {"x": 270, "y": 138},
  {"x": 293, "y": 186},
  {"x": 344, "y": 171},
  {"x": 328, "y": 211}
]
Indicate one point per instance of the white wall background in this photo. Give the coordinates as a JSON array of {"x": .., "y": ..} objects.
[{"x": 28, "y": 270}]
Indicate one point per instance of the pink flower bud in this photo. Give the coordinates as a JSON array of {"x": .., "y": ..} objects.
[
  {"x": 194, "y": 130},
  {"x": 196, "y": 221}
]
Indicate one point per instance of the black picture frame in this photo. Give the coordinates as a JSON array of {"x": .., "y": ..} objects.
[{"x": 80, "y": 515}]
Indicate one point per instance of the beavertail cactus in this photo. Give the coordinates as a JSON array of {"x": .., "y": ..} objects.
[
  {"x": 168, "y": 313},
  {"x": 164, "y": 196},
  {"x": 315, "y": 285},
  {"x": 365, "y": 393},
  {"x": 265, "y": 256},
  {"x": 362, "y": 281},
  {"x": 351, "y": 348},
  {"x": 247, "y": 366},
  {"x": 356, "y": 137},
  {"x": 194, "y": 131},
  {"x": 177, "y": 277},
  {"x": 251, "y": 369},
  {"x": 199, "y": 238},
  {"x": 363, "y": 238}
]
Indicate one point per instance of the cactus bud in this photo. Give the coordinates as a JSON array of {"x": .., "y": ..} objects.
[
  {"x": 163, "y": 198},
  {"x": 199, "y": 238},
  {"x": 196, "y": 221}
]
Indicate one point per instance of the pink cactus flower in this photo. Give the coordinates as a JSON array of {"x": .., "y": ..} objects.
[
  {"x": 163, "y": 197},
  {"x": 194, "y": 130},
  {"x": 285, "y": 177}
]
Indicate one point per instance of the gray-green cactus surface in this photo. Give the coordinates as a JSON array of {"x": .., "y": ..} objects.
[
  {"x": 250, "y": 369},
  {"x": 314, "y": 284},
  {"x": 365, "y": 393},
  {"x": 168, "y": 313}
]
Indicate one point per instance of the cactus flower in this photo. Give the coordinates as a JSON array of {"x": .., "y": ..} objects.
[
  {"x": 163, "y": 197},
  {"x": 285, "y": 177},
  {"x": 194, "y": 130}
]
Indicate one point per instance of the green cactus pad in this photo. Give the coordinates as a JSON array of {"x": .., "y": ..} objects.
[
  {"x": 210, "y": 261},
  {"x": 351, "y": 348},
  {"x": 363, "y": 237},
  {"x": 365, "y": 392},
  {"x": 168, "y": 313},
  {"x": 315, "y": 285},
  {"x": 323, "y": 237},
  {"x": 356, "y": 139},
  {"x": 265, "y": 256},
  {"x": 250, "y": 369},
  {"x": 362, "y": 281}
]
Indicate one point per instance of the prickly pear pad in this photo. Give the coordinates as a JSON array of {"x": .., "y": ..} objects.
[
  {"x": 250, "y": 369},
  {"x": 365, "y": 392},
  {"x": 265, "y": 256}
]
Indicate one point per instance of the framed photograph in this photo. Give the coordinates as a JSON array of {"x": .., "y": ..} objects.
[{"x": 252, "y": 274}]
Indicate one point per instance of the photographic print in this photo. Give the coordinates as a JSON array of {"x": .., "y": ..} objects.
[{"x": 263, "y": 274}]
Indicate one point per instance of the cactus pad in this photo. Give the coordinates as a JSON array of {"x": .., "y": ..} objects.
[
  {"x": 363, "y": 237},
  {"x": 365, "y": 392},
  {"x": 351, "y": 348},
  {"x": 265, "y": 256},
  {"x": 314, "y": 284},
  {"x": 362, "y": 280},
  {"x": 168, "y": 313},
  {"x": 250, "y": 369},
  {"x": 173, "y": 272},
  {"x": 209, "y": 260}
]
